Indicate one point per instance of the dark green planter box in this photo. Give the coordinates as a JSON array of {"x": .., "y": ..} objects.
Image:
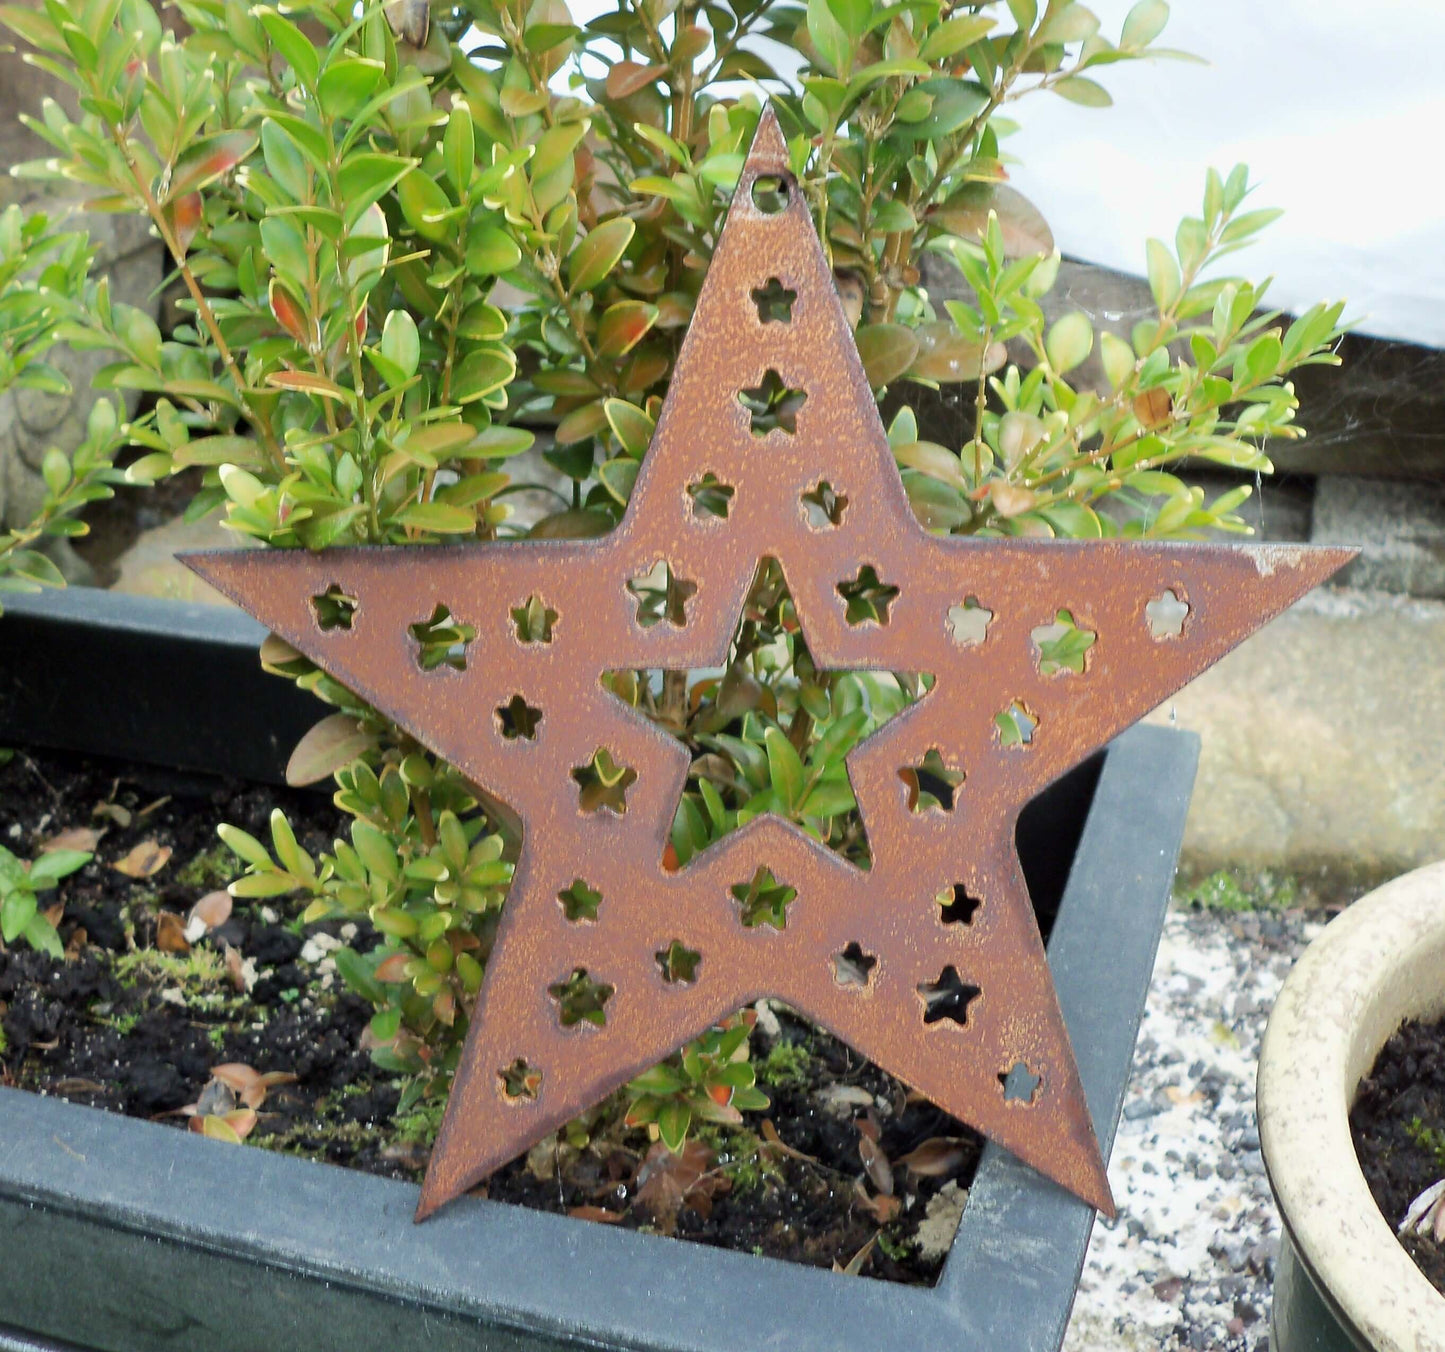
[{"x": 128, "y": 1236}]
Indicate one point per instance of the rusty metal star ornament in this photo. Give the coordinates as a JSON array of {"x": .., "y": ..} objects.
[{"x": 954, "y": 999}]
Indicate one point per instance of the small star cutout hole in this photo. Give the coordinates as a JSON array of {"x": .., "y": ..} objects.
[
  {"x": 772, "y": 405},
  {"x": 678, "y": 962},
  {"x": 1062, "y": 646},
  {"x": 518, "y": 720},
  {"x": 1166, "y": 615},
  {"x": 823, "y": 507},
  {"x": 947, "y": 998},
  {"x": 764, "y": 900},
  {"x": 519, "y": 1082},
  {"x": 710, "y": 497},
  {"x": 853, "y": 967},
  {"x": 955, "y": 906},
  {"x": 774, "y": 302},
  {"x": 602, "y": 784},
  {"x": 1016, "y": 725},
  {"x": 580, "y": 999},
  {"x": 1019, "y": 1084},
  {"x": 867, "y": 598},
  {"x": 533, "y": 621},
  {"x": 334, "y": 609},
  {"x": 662, "y": 595},
  {"x": 442, "y": 641},
  {"x": 969, "y": 622},
  {"x": 931, "y": 784},
  {"x": 579, "y": 902}
]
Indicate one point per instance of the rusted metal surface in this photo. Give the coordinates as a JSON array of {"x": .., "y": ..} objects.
[{"x": 998, "y": 1011}]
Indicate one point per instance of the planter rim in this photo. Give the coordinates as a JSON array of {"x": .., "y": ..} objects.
[{"x": 1376, "y": 965}]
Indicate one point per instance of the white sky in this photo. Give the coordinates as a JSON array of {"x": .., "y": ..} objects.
[{"x": 1337, "y": 108}]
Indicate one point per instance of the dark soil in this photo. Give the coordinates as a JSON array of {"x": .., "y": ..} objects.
[
  {"x": 123, "y": 1026},
  {"x": 1398, "y": 1123}
]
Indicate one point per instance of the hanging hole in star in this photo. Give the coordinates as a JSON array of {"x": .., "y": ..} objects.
[
  {"x": 580, "y": 999},
  {"x": 931, "y": 783},
  {"x": 770, "y": 193},
  {"x": 772, "y": 405},
  {"x": 771, "y": 693},
  {"x": 853, "y": 968},
  {"x": 947, "y": 998},
  {"x": 867, "y": 597},
  {"x": 968, "y": 623},
  {"x": 956, "y": 906},
  {"x": 519, "y": 1082},
  {"x": 1062, "y": 646},
  {"x": 710, "y": 497},
  {"x": 533, "y": 621},
  {"x": 1166, "y": 615},
  {"x": 602, "y": 784},
  {"x": 1019, "y": 1084},
  {"x": 517, "y": 719},
  {"x": 764, "y": 900},
  {"x": 823, "y": 506},
  {"x": 677, "y": 962},
  {"x": 333, "y": 609},
  {"x": 1016, "y": 725},
  {"x": 442, "y": 640},
  {"x": 661, "y": 595},
  {"x": 774, "y": 302}
]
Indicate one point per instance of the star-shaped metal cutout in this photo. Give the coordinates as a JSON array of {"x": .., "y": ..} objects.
[{"x": 606, "y": 961}]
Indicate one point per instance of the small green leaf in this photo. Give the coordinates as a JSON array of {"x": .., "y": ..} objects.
[
  {"x": 491, "y": 251},
  {"x": 598, "y": 253},
  {"x": 1144, "y": 23},
  {"x": 673, "y": 1120},
  {"x": 400, "y": 342},
  {"x": 1080, "y": 89},
  {"x": 425, "y": 206},
  {"x": 481, "y": 372},
  {"x": 785, "y": 769},
  {"x": 1070, "y": 340},
  {"x": 1164, "y": 279},
  {"x": 345, "y": 85},
  {"x": 438, "y": 517},
  {"x": 294, "y": 48}
]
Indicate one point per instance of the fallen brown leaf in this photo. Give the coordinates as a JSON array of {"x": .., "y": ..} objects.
[
  {"x": 855, "y": 1264},
  {"x": 144, "y": 861},
  {"x": 595, "y": 1213},
  {"x": 121, "y": 816},
  {"x": 875, "y": 1161},
  {"x": 668, "y": 1182},
  {"x": 171, "y": 933},
  {"x": 937, "y": 1157},
  {"x": 76, "y": 838},
  {"x": 212, "y": 909},
  {"x": 776, "y": 1142},
  {"x": 235, "y": 968},
  {"x": 883, "y": 1207},
  {"x": 55, "y": 914}
]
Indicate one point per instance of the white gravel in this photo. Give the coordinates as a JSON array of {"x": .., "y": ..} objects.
[{"x": 1189, "y": 1261}]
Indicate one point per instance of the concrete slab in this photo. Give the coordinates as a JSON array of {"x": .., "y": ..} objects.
[{"x": 1323, "y": 744}]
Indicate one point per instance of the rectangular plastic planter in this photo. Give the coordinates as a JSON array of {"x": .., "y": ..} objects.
[{"x": 123, "y": 1235}]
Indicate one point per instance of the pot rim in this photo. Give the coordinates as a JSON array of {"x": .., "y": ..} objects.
[{"x": 1380, "y": 962}]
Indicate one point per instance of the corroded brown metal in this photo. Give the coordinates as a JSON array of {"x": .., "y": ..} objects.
[{"x": 890, "y": 911}]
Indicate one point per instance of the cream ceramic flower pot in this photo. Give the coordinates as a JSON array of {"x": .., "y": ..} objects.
[{"x": 1343, "y": 1280}]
